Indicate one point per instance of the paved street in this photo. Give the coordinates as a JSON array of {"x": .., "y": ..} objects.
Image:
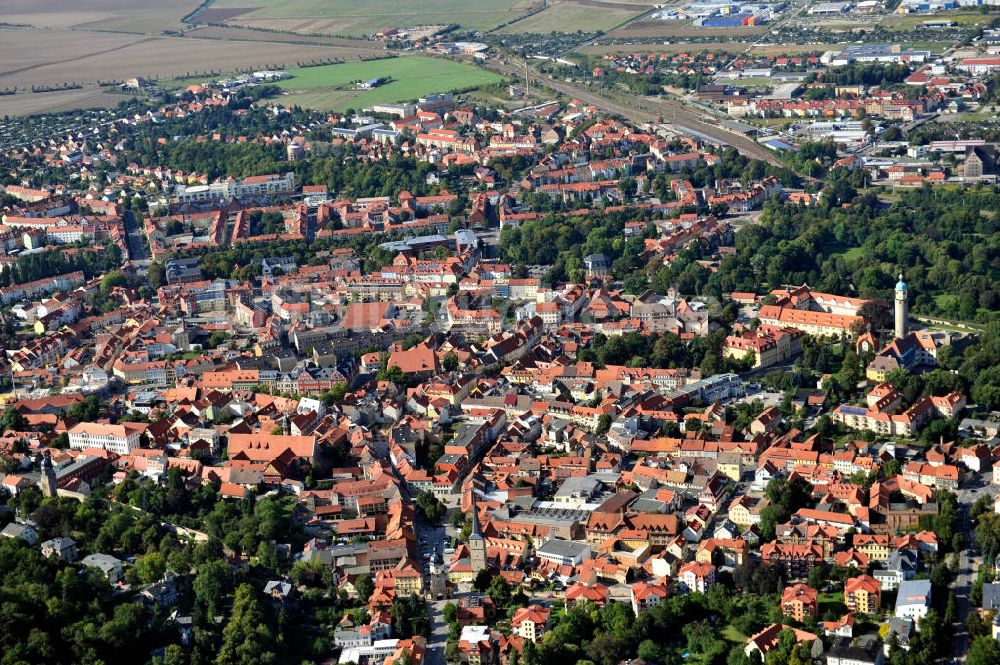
[
  {"x": 439, "y": 634},
  {"x": 138, "y": 248},
  {"x": 976, "y": 485}
]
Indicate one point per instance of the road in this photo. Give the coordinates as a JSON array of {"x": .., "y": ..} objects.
[
  {"x": 976, "y": 485},
  {"x": 138, "y": 248},
  {"x": 650, "y": 110},
  {"x": 439, "y": 634}
]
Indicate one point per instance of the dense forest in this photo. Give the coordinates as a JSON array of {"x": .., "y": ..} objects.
[{"x": 944, "y": 241}]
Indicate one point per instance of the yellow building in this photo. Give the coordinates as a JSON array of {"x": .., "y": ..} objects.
[{"x": 862, "y": 594}]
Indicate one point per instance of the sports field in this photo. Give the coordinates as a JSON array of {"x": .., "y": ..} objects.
[
  {"x": 333, "y": 87},
  {"x": 347, "y": 17}
]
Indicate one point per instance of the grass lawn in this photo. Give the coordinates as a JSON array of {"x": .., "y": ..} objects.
[
  {"x": 332, "y": 88},
  {"x": 733, "y": 635},
  {"x": 831, "y": 602},
  {"x": 934, "y": 46},
  {"x": 848, "y": 253},
  {"x": 756, "y": 82}
]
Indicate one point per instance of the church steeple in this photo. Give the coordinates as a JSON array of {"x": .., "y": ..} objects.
[
  {"x": 476, "y": 531},
  {"x": 477, "y": 544}
]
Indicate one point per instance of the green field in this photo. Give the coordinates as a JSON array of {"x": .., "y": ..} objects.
[
  {"x": 839, "y": 249},
  {"x": 345, "y": 17},
  {"x": 961, "y": 18},
  {"x": 831, "y": 602},
  {"x": 332, "y": 87}
]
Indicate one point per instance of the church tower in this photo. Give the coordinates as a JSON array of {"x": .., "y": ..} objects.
[
  {"x": 902, "y": 309},
  {"x": 47, "y": 481},
  {"x": 477, "y": 544}
]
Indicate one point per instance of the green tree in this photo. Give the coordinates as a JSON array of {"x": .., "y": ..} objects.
[
  {"x": 156, "y": 275},
  {"x": 247, "y": 639},
  {"x": 111, "y": 280},
  {"x": 499, "y": 591},
  {"x": 431, "y": 506},
  {"x": 12, "y": 420},
  {"x": 984, "y": 650},
  {"x": 392, "y": 374},
  {"x": 483, "y": 580},
  {"x": 211, "y": 585},
  {"x": 650, "y": 651},
  {"x": 450, "y": 613},
  {"x": 150, "y": 567},
  {"x": 364, "y": 586}
]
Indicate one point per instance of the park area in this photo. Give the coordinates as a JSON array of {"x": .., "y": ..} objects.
[
  {"x": 346, "y": 17},
  {"x": 334, "y": 87}
]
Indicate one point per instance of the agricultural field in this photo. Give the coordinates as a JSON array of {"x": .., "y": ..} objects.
[
  {"x": 346, "y": 17},
  {"x": 363, "y": 48},
  {"x": 54, "y": 58},
  {"x": 50, "y": 57},
  {"x": 139, "y": 16},
  {"x": 332, "y": 87},
  {"x": 55, "y": 102},
  {"x": 574, "y": 15}
]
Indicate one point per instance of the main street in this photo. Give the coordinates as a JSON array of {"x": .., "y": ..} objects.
[
  {"x": 438, "y": 640},
  {"x": 138, "y": 246},
  {"x": 976, "y": 486}
]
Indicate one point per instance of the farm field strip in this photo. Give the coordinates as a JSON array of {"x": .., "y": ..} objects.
[{"x": 53, "y": 57}]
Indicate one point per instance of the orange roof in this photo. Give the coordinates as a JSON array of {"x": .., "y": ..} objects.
[
  {"x": 862, "y": 583},
  {"x": 420, "y": 358}
]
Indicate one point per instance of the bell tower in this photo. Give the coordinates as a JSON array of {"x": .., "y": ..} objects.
[
  {"x": 47, "y": 481},
  {"x": 477, "y": 544}
]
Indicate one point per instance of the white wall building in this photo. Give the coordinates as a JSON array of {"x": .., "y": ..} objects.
[{"x": 120, "y": 439}]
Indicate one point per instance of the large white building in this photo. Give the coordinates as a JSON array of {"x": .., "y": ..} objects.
[
  {"x": 913, "y": 599},
  {"x": 120, "y": 439},
  {"x": 255, "y": 186}
]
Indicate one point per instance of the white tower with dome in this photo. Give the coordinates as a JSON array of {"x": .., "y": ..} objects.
[{"x": 902, "y": 308}]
